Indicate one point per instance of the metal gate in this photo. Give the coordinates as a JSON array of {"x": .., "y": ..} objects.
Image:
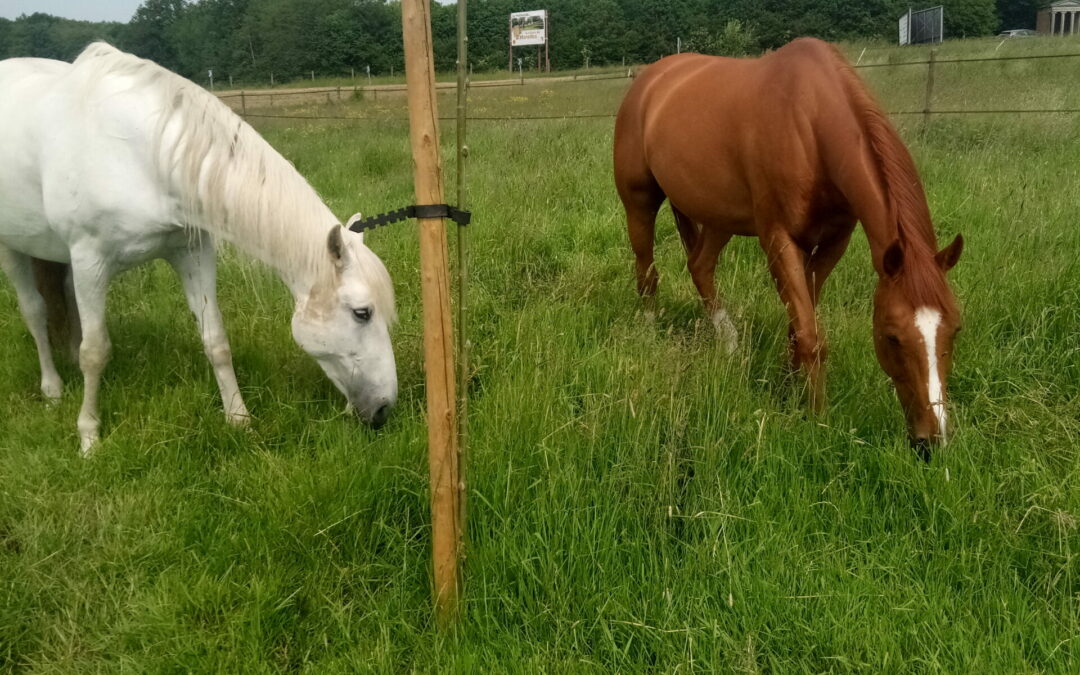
[{"x": 922, "y": 26}]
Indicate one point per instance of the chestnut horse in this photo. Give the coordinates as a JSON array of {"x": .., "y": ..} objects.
[{"x": 792, "y": 149}]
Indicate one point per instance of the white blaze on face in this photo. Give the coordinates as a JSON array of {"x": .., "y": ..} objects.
[{"x": 927, "y": 321}]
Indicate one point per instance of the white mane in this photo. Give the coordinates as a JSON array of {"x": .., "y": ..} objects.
[{"x": 228, "y": 180}]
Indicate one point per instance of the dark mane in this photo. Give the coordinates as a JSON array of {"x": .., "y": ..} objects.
[{"x": 923, "y": 280}]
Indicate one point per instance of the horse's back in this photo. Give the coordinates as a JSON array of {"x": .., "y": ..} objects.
[
  {"x": 77, "y": 140},
  {"x": 27, "y": 95},
  {"x": 722, "y": 137}
]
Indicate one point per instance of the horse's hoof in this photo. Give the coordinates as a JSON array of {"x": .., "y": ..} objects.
[
  {"x": 52, "y": 390},
  {"x": 88, "y": 444},
  {"x": 725, "y": 331},
  {"x": 239, "y": 420}
]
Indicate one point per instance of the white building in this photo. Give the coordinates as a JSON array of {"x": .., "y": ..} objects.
[{"x": 1059, "y": 18}]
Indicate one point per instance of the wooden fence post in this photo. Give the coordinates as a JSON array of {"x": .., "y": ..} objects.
[
  {"x": 435, "y": 294},
  {"x": 929, "y": 86},
  {"x": 243, "y": 103}
]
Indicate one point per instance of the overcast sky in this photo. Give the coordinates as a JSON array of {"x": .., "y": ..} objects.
[{"x": 86, "y": 10}]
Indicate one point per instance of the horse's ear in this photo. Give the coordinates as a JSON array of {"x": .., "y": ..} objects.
[
  {"x": 947, "y": 257},
  {"x": 353, "y": 219},
  {"x": 893, "y": 259},
  {"x": 336, "y": 246}
]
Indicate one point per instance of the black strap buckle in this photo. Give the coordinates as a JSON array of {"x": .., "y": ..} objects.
[{"x": 460, "y": 217}]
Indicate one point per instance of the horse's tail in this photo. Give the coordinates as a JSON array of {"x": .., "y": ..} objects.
[
  {"x": 898, "y": 177},
  {"x": 51, "y": 279}
]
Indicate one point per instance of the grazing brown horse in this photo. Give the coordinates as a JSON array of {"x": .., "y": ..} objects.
[{"x": 792, "y": 149}]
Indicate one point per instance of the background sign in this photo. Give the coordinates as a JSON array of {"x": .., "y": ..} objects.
[{"x": 528, "y": 28}]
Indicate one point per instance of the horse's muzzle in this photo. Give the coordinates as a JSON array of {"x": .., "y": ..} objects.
[{"x": 922, "y": 446}]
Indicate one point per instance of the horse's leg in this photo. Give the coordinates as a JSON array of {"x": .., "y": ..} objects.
[
  {"x": 90, "y": 276},
  {"x": 787, "y": 263},
  {"x": 702, "y": 265},
  {"x": 197, "y": 269},
  {"x": 822, "y": 261},
  {"x": 641, "y": 207},
  {"x": 689, "y": 232},
  {"x": 32, "y": 305},
  {"x": 74, "y": 324}
]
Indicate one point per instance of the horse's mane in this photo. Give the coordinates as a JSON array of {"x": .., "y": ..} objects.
[
  {"x": 924, "y": 281},
  {"x": 226, "y": 178}
]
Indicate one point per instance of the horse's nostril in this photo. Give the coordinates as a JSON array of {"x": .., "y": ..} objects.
[
  {"x": 380, "y": 416},
  {"x": 921, "y": 446}
]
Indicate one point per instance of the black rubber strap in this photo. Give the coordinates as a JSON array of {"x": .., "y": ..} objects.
[{"x": 415, "y": 211}]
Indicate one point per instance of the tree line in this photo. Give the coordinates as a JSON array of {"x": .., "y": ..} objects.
[{"x": 249, "y": 39}]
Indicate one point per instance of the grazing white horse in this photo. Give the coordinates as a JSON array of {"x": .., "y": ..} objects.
[{"x": 111, "y": 161}]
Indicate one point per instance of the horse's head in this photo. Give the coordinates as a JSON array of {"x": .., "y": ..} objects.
[
  {"x": 915, "y": 322},
  {"x": 344, "y": 323}
]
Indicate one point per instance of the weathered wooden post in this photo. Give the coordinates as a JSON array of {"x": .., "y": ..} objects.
[{"x": 435, "y": 294}]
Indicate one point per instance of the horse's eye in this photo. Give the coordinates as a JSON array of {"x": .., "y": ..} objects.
[
  {"x": 893, "y": 340},
  {"x": 362, "y": 315}
]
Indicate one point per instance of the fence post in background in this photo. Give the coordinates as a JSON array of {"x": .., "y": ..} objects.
[
  {"x": 243, "y": 103},
  {"x": 313, "y": 76},
  {"x": 929, "y": 87},
  {"x": 435, "y": 295},
  {"x": 271, "y": 78}
]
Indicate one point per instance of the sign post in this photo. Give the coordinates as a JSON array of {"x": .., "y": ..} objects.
[
  {"x": 435, "y": 293},
  {"x": 529, "y": 28}
]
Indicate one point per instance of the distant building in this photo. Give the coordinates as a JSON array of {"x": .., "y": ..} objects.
[{"x": 1059, "y": 18}]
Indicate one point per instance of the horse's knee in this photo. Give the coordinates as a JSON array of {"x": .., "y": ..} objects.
[
  {"x": 219, "y": 354},
  {"x": 94, "y": 355},
  {"x": 807, "y": 349}
]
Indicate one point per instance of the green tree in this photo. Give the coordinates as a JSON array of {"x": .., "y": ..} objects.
[
  {"x": 150, "y": 32},
  {"x": 1018, "y": 13},
  {"x": 969, "y": 18}
]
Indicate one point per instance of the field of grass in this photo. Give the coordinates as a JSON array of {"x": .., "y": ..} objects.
[{"x": 639, "y": 501}]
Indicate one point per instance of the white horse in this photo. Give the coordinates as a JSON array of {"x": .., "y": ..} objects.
[{"x": 111, "y": 161}]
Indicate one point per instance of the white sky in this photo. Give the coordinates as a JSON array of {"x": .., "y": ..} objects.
[{"x": 85, "y": 10}]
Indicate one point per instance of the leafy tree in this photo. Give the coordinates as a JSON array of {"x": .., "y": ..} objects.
[
  {"x": 1018, "y": 13},
  {"x": 150, "y": 32},
  {"x": 969, "y": 18},
  {"x": 252, "y": 38}
]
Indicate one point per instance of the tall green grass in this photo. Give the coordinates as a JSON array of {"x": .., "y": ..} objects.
[{"x": 638, "y": 500}]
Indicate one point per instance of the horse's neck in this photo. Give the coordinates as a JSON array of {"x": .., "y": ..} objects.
[
  {"x": 260, "y": 204},
  {"x": 879, "y": 217}
]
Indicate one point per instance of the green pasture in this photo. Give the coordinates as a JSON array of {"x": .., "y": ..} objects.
[{"x": 639, "y": 501}]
